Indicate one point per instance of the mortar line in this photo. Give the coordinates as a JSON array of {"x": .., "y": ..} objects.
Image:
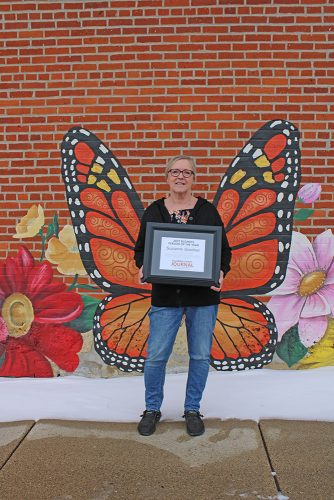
[
  {"x": 16, "y": 447},
  {"x": 269, "y": 460}
]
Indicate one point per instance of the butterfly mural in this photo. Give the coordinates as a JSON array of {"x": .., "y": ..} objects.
[{"x": 255, "y": 200}]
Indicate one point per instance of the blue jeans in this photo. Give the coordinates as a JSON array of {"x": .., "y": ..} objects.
[{"x": 164, "y": 325}]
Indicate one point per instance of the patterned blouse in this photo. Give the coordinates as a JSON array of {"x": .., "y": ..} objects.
[{"x": 180, "y": 216}]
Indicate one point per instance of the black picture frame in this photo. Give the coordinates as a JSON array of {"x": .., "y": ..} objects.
[{"x": 188, "y": 240}]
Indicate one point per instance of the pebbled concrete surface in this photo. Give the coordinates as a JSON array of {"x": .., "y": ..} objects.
[
  {"x": 302, "y": 455},
  {"x": 11, "y": 433},
  {"x": 69, "y": 460}
]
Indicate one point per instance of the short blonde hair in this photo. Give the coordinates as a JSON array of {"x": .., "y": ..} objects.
[{"x": 173, "y": 160}]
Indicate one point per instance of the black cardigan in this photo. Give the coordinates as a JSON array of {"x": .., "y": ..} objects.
[{"x": 204, "y": 213}]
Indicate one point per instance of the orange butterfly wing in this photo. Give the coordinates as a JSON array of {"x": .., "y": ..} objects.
[
  {"x": 105, "y": 211},
  {"x": 245, "y": 335},
  {"x": 255, "y": 201}
]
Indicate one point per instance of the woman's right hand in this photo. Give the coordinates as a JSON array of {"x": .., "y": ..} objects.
[{"x": 140, "y": 277}]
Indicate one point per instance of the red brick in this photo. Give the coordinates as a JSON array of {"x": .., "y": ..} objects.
[{"x": 157, "y": 79}]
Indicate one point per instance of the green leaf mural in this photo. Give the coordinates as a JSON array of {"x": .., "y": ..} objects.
[
  {"x": 85, "y": 321},
  {"x": 55, "y": 225},
  {"x": 50, "y": 231},
  {"x": 303, "y": 213},
  {"x": 290, "y": 349}
]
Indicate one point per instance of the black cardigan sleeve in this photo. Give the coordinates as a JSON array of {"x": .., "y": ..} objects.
[
  {"x": 140, "y": 243},
  {"x": 226, "y": 249}
]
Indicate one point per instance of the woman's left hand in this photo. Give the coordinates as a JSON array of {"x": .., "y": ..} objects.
[{"x": 221, "y": 278}]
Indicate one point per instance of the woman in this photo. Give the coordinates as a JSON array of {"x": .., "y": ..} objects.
[{"x": 171, "y": 302}]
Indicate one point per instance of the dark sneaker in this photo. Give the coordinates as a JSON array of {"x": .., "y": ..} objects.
[
  {"x": 195, "y": 425},
  {"x": 148, "y": 423}
]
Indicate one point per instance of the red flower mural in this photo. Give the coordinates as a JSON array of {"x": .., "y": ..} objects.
[{"x": 34, "y": 310}]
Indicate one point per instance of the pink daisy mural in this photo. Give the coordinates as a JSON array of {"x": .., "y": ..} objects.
[{"x": 306, "y": 298}]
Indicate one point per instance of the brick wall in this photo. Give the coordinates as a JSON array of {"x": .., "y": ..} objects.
[{"x": 154, "y": 78}]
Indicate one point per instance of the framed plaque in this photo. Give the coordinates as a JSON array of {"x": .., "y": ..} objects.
[{"x": 182, "y": 254}]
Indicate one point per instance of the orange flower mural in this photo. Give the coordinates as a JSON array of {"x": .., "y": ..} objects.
[
  {"x": 31, "y": 223},
  {"x": 64, "y": 252}
]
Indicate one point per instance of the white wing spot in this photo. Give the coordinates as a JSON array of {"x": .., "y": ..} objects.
[
  {"x": 127, "y": 182},
  {"x": 258, "y": 152},
  {"x": 284, "y": 184},
  {"x": 76, "y": 188},
  {"x": 281, "y": 247},
  {"x": 248, "y": 148},
  {"x": 280, "y": 214},
  {"x": 280, "y": 196},
  {"x": 103, "y": 148},
  {"x": 235, "y": 161},
  {"x": 100, "y": 160},
  {"x": 82, "y": 227},
  {"x": 106, "y": 284},
  {"x": 98, "y": 275},
  {"x": 277, "y": 122},
  {"x": 87, "y": 247},
  {"x": 223, "y": 181},
  {"x": 115, "y": 162},
  {"x": 85, "y": 132}
]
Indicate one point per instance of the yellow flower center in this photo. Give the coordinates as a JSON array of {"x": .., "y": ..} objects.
[
  {"x": 311, "y": 283},
  {"x": 18, "y": 313}
]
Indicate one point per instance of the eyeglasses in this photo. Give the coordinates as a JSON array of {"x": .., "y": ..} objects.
[{"x": 175, "y": 172}]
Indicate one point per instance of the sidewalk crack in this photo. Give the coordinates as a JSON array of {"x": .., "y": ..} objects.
[
  {"x": 16, "y": 447},
  {"x": 273, "y": 472}
]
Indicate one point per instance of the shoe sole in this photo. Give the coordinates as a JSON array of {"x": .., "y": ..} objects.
[
  {"x": 146, "y": 434},
  {"x": 193, "y": 434}
]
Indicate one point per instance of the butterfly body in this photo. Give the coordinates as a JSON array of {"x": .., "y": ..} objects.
[{"x": 255, "y": 200}]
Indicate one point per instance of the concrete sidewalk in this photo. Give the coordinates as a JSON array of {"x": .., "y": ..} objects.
[{"x": 71, "y": 460}]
